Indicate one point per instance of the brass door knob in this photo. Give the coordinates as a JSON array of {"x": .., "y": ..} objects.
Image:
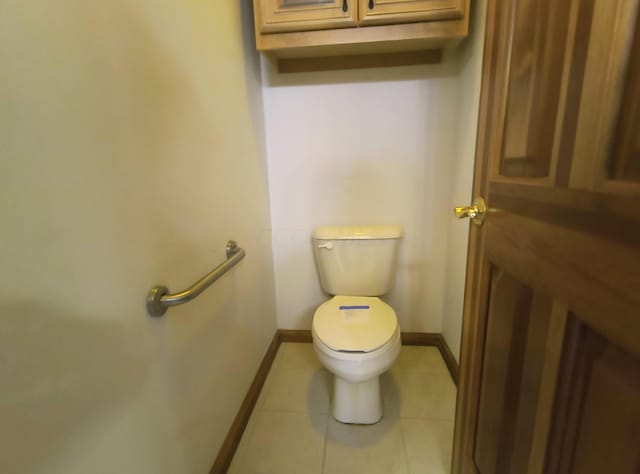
[{"x": 475, "y": 212}]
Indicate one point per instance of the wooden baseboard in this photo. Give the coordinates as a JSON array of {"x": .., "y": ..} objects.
[
  {"x": 231, "y": 442},
  {"x": 447, "y": 355},
  {"x": 420, "y": 338},
  {"x": 295, "y": 335}
]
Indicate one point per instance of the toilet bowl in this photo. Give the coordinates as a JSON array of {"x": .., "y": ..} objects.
[
  {"x": 355, "y": 334},
  {"x": 356, "y": 364}
]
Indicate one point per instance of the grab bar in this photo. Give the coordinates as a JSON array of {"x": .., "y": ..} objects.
[{"x": 159, "y": 299}]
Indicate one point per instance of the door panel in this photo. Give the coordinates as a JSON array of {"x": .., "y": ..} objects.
[
  {"x": 380, "y": 12},
  {"x": 515, "y": 357},
  {"x": 303, "y": 15},
  {"x": 607, "y": 44},
  {"x": 550, "y": 363},
  {"x": 535, "y": 73},
  {"x": 625, "y": 159},
  {"x": 597, "y": 420},
  {"x": 508, "y": 299}
]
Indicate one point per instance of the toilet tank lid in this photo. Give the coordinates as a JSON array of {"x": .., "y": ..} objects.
[{"x": 382, "y": 231}]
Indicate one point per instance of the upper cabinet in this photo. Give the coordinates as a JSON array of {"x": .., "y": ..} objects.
[
  {"x": 303, "y": 15},
  {"x": 311, "y": 35},
  {"x": 385, "y": 12}
]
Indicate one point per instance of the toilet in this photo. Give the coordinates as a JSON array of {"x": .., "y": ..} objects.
[{"x": 355, "y": 334}]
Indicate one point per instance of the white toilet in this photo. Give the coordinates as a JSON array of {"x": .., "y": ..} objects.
[{"x": 355, "y": 334}]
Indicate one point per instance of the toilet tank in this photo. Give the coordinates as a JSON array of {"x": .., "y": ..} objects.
[{"x": 356, "y": 260}]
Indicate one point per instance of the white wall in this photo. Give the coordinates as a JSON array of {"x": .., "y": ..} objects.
[
  {"x": 131, "y": 149},
  {"x": 357, "y": 147},
  {"x": 462, "y": 161}
]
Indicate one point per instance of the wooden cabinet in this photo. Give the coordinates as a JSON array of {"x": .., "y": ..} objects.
[
  {"x": 303, "y": 15},
  {"x": 275, "y": 16},
  {"x": 307, "y": 35},
  {"x": 384, "y": 12}
]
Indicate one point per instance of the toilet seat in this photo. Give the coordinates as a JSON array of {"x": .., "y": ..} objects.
[{"x": 354, "y": 324}]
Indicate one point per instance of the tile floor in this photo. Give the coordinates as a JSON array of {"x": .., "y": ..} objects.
[{"x": 291, "y": 430}]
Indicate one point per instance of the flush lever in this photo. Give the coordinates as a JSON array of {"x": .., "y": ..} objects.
[{"x": 328, "y": 246}]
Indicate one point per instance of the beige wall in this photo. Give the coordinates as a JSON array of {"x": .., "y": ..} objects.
[
  {"x": 462, "y": 163},
  {"x": 131, "y": 149},
  {"x": 358, "y": 147}
]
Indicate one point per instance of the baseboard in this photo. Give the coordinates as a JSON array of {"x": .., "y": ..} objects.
[
  {"x": 295, "y": 335},
  {"x": 231, "y": 442},
  {"x": 420, "y": 338},
  {"x": 437, "y": 340},
  {"x": 447, "y": 355}
]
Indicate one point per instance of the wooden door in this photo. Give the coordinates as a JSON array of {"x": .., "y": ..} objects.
[
  {"x": 550, "y": 363},
  {"x": 303, "y": 15},
  {"x": 380, "y": 12}
]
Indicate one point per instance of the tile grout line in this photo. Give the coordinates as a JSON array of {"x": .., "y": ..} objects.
[
  {"x": 274, "y": 410},
  {"x": 404, "y": 447},
  {"x": 324, "y": 447}
]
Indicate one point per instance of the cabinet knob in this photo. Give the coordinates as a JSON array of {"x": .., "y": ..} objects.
[
  {"x": 370, "y": 4},
  {"x": 345, "y": 7}
]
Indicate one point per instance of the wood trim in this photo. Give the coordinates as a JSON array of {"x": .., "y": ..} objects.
[
  {"x": 437, "y": 340},
  {"x": 449, "y": 359},
  {"x": 435, "y": 30},
  {"x": 419, "y": 338},
  {"x": 234, "y": 435},
  {"x": 295, "y": 335},
  {"x": 358, "y": 61}
]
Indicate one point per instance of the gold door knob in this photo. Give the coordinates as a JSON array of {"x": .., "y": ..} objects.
[{"x": 475, "y": 212}]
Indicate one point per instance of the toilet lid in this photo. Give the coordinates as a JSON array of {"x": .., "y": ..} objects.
[{"x": 354, "y": 323}]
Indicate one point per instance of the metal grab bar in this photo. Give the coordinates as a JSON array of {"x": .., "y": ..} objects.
[{"x": 159, "y": 299}]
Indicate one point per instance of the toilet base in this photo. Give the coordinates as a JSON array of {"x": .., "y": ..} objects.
[{"x": 358, "y": 403}]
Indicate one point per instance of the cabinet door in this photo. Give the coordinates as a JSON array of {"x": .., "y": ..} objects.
[
  {"x": 380, "y": 12},
  {"x": 274, "y": 16}
]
